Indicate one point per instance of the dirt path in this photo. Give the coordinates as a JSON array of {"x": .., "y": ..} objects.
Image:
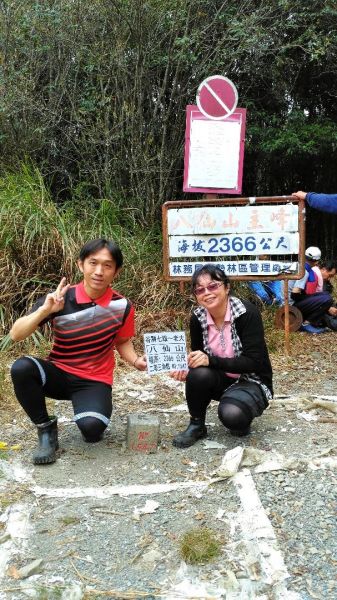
[{"x": 104, "y": 522}]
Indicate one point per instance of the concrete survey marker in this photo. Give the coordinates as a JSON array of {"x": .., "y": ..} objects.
[{"x": 142, "y": 434}]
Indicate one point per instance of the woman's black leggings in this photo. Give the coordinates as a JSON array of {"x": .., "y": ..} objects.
[
  {"x": 34, "y": 379},
  {"x": 239, "y": 401}
]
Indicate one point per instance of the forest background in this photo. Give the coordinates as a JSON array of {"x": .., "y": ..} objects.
[{"x": 92, "y": 124}]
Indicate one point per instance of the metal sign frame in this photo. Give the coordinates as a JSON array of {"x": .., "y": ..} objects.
[{"x": 267, "y": 200}]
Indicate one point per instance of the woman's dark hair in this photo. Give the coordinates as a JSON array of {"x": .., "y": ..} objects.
[
  {"x": 213, "y": 271},
  {"x": 95, "y": 245}
]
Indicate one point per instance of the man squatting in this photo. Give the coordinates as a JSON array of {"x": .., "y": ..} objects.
[{"x": 88, "y": 321}]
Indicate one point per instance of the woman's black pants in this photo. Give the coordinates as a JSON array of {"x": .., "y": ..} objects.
[{"x": 239, "y": 401}]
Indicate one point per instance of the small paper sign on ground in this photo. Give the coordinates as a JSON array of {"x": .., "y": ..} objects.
[{"x": 165, "y": 351}]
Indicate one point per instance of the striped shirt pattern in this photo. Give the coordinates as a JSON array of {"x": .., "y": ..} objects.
[{"x": 85, "y": 332}]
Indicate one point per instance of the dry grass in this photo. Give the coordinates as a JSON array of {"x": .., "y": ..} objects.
[
  {"x": 40, "y": 242},
  {"x": 13, "y": 496},
  {"x": 199, "y": 546}
]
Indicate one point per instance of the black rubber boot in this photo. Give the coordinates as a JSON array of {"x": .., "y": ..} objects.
[
  {"x": 45, "y": 453},
  {"x": 194, "y": 432}
]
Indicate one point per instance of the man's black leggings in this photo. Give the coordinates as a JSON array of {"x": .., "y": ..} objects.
[
  {"x": 239, "y": 401},
  {"x": 34, "y": 379}
]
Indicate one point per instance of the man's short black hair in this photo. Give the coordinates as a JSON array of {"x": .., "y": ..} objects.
[
  {"x": 213, "y": 271},
  {"x": 95, "y": 245},
  {"x": 328, "y": 265}
]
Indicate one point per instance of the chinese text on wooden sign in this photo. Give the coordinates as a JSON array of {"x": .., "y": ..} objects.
[{"x": 247, "y": 241}]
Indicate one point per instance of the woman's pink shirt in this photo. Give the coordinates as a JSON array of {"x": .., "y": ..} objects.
[{"x": 214, "y": 342}]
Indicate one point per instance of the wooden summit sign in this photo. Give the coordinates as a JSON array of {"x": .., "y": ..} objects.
[{"x": 249, "y": 238}]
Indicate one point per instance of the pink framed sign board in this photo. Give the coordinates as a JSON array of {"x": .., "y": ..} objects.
[{"x": 214, "y": 151}]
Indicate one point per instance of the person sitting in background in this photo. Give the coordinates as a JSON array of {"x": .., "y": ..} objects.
[
  {"x": 324, "y": 202},
  {"x": 229, "y": 361},
  {"x": 325, "y": 272},
  {"x": 270, "y": 292},
  {"x": 304, "y": 296}
]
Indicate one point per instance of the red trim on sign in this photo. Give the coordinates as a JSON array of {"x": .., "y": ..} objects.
[{"x": 238, "y": 116}]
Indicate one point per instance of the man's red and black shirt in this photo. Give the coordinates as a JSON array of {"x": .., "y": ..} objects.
[{"x": 85, "y": 332}]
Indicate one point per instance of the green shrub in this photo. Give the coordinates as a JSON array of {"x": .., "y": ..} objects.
[{"x": 199, "y": 545}]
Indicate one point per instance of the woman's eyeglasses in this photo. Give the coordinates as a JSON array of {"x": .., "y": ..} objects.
[{"x": 211, "y": 287}]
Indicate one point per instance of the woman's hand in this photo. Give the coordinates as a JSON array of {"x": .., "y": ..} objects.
[
  {"x": 178, "y": 375},
  {"x": 197, "y": 359}
]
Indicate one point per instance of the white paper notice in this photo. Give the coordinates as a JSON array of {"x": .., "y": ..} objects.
[
  {"x": 214, "y": 154},
  {"x": 165, "y": 351}
]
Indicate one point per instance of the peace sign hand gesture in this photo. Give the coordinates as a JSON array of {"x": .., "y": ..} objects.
[{"x": 54, "y": 301}]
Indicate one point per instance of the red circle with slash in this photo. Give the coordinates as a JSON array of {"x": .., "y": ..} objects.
[{"x": 217, "y": 97}]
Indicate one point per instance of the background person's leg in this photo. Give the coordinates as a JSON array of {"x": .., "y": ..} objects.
[
  {"x": 92, "y": 403},
  {"x": 258, "y": 288},
  {"x": 276, "y": 290},
  {"x": 239, "y": 405},
  {"x": 314, "y": 306}
]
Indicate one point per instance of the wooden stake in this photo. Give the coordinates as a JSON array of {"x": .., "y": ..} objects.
[{"x": 286, "y": 318}]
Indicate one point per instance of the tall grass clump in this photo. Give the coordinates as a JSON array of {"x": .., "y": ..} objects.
[
  {"x": 40, "y": 241},
  {"x": 200, "y": 545},
  {"x": 31, "y": 231}
]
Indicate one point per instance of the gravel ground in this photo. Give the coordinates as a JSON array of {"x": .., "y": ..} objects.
[
  {"x": 302, "y": 509},
  {"x": 100, "y": 544}
]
